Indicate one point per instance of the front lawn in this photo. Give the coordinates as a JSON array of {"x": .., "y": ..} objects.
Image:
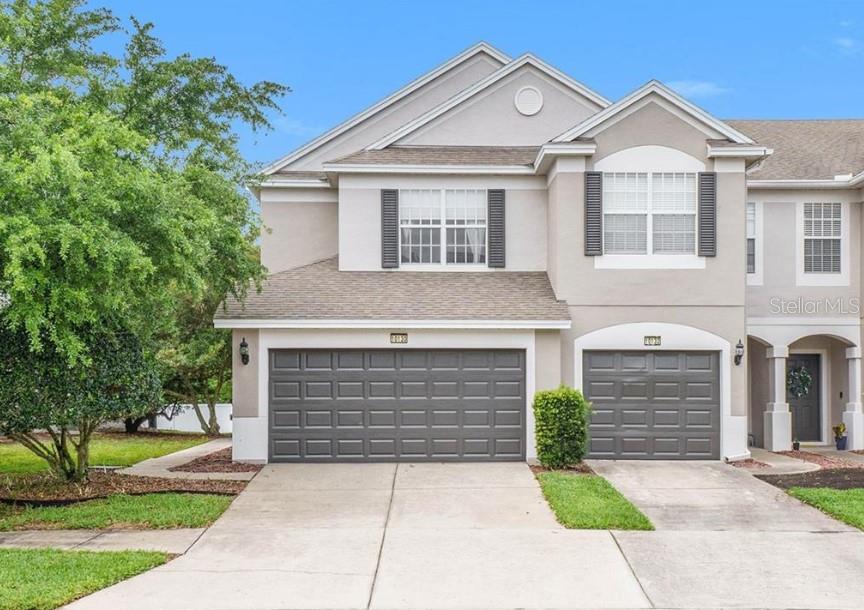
[
  {"x": 847, "y": 505},
  {"x": 105, "y": 450},
  {"x": 150, "y": 511},
  {"x": 588, "y": 501},
  {"x": 42, "y": 579}
]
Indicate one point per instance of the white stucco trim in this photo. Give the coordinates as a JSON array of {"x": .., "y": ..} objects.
[
  {"x": 649, "y": 158},
  {"x": 649, "y": 261},
  {"x": 293, "y": 183},
  {"x": 739, "y": 151},
  {"x": 414, "y": 85},
  {"x": 657, "y": 88},
  {"x": 824, "y": 393},
  {"x": 251, "y": 440},
  {"x": 822, "y": 279},
  {"x": 527, "y": 59},
  {"x": 676, "y": 337},
  {"x": 800, "y": 184},
  {"x": 398, "y": 324},
  {"x": 756, "y": 278},
  {"x": 781, "y": 331}
]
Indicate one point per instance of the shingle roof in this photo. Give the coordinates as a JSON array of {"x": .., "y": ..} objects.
[
  {"x": 443, "y": 155},
  {"x": 301, "y": 175},
  {"x": 321, "y": 292},
  {"x": 807, "y": 150}
]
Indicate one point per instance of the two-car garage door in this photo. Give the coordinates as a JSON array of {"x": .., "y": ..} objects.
[
  {"x": 661, "y": 405},
  {"x": 400, "y": 404}
]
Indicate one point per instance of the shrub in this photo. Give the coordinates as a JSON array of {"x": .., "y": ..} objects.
[{"x": 561, "y": 426}]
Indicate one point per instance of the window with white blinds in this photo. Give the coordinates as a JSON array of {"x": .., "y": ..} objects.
[
  {"x": 442, "y": 226},
  {"x": 822, "y": 237},
  {"x": 649, "y": 213},
  {"x": 751, "y": 237}
]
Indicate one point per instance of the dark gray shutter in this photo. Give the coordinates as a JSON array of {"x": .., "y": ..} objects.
[
  {"x": 495, "y": 201},
  {"x": 707, "y": 214},
  {"x": 593, "y": 213},
  {"x": 389, "y": 229}
]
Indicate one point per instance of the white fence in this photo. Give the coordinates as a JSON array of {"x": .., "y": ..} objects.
[{"x": 187, "y": 421}]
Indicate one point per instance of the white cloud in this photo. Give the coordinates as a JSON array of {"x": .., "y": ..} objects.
[
  {"x": 847, "y": 44},
  {"x": 697, "y": 88},
  {"x": 296, "y": 128}
]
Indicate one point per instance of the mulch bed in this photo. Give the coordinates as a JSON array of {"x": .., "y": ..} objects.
[
  {"x": 218, "y": 461},
  {"x": 45, "y": 490},
  {"x": 835, "y": 478},
  {"x": 749, "y": 464},
  {"x": 581, "y": 468},
  {"x": 822, "y": 460}
]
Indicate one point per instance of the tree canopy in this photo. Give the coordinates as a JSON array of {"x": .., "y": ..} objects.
[{"x": 120, "y": 199}]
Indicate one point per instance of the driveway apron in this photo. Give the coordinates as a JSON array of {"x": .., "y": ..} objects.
[
  {"x": 726, "y": 539},
  {"x": 382, "y": 536}
]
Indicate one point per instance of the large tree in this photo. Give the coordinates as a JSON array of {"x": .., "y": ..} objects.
[{"x": 120, "y": 204}]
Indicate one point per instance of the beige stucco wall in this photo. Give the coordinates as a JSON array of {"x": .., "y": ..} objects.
[
  {"x": 244, "y": 378},
  {"x": 427, "y": 97},
  {"x": 360, "y": 216},
  {"x": 491, "y": 118},
  {"x": 547, "y": 346},
  {"x": 780, "y": 240},
  {"x": 300, "y": 227}
]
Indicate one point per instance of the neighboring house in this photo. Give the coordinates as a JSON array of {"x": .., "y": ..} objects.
[{"x": 496, "y": 228}]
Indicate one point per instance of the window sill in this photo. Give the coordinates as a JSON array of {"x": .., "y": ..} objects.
[
  {"x": 643, "y": 261},
  {"x": 822, "y": 279},
  {"x": 454, "y": 267}
]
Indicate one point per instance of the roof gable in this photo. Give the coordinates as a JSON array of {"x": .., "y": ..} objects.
[
  {"x": 527, "y": 61},
  {"x": 481, "y": 49},
  {"x": 656, "y": 90}
]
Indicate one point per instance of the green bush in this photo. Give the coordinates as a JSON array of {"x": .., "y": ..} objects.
[{"x": 561, "y": 426}]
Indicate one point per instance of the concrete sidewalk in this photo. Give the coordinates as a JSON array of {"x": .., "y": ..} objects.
[
  {"x": 159, "y": 467},
  {"x": 174, "y": 541}
]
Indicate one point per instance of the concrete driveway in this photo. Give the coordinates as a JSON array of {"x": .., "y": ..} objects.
[
  {"x": 382, "y": 536},
  {"x": 481, "y": 536}
]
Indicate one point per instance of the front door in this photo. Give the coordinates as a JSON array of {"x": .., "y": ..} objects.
[{"x": 806, "y": 409}]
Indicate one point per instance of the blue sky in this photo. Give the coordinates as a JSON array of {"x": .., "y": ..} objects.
[{"x": 735, "y": 59}]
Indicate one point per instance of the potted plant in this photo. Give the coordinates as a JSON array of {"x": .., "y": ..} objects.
[{"x": 840, "y": 436}]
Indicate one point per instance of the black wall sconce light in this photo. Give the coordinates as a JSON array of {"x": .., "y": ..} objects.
[
  {"x": 244, "y": 351},
  {"x": 739, "y": 352}
]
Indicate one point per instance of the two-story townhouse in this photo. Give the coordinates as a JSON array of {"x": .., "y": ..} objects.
[{"x": 496, "y": 228}]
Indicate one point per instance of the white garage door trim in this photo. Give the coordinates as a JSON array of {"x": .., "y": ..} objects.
[
  {"x": 675, "y": 337},
  {"x": 251, "y": 433}
]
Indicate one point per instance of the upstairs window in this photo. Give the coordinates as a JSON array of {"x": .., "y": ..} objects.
[
  {"x": 822, "y": 237},
  {"x": 442, "y": 226},
  {"x": 751, "y": 237},
  {"x": 649, "y": 213}
]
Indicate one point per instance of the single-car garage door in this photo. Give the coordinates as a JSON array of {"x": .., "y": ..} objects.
[
  {"x": 653, "y": 405},
  {"x": 388, "y": 405}
]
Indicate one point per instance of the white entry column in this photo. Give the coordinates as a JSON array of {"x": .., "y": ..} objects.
[
  {"x": 853, "y": 416},
  {"x": 778, "y": 419}
]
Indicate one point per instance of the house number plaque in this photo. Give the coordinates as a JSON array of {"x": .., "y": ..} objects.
[
  {"x": 652, "y": 340},
  {"x": 399, "y": 338}
]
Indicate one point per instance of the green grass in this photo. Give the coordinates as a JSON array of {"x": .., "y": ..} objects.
[
  {"x": 43, "y": 579},
  {"x": 587, "y": 501},
  {"x": 149, "y": 511},
  {"x": 105, "y": 450},
  {"x": 847, "y": 505}
]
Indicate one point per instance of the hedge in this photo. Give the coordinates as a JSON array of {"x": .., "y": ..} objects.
[{"x": 561, "y": 426}]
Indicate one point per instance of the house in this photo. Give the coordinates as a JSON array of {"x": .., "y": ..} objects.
[{"x": 496, "y": 228}]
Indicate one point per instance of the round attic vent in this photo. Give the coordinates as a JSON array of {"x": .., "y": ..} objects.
[{"x": 528, "y": 101}]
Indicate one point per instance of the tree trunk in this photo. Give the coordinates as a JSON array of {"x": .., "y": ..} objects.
[
  {"x": 213, "y": 421},
  {"x": 132, "y": 424}
]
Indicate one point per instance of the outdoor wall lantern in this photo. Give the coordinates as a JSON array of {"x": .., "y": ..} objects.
[
  {"x": 739, "y": 352},
  {"x": 244, "y": 351}
]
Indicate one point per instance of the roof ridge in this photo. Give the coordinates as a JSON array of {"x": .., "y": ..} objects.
[{"x": 810, "y": 120}]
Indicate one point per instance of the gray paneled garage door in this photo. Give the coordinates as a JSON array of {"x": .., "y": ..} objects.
[
  {"x": 387, "y": 405},
  {"x": 653, "y": 405}
]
